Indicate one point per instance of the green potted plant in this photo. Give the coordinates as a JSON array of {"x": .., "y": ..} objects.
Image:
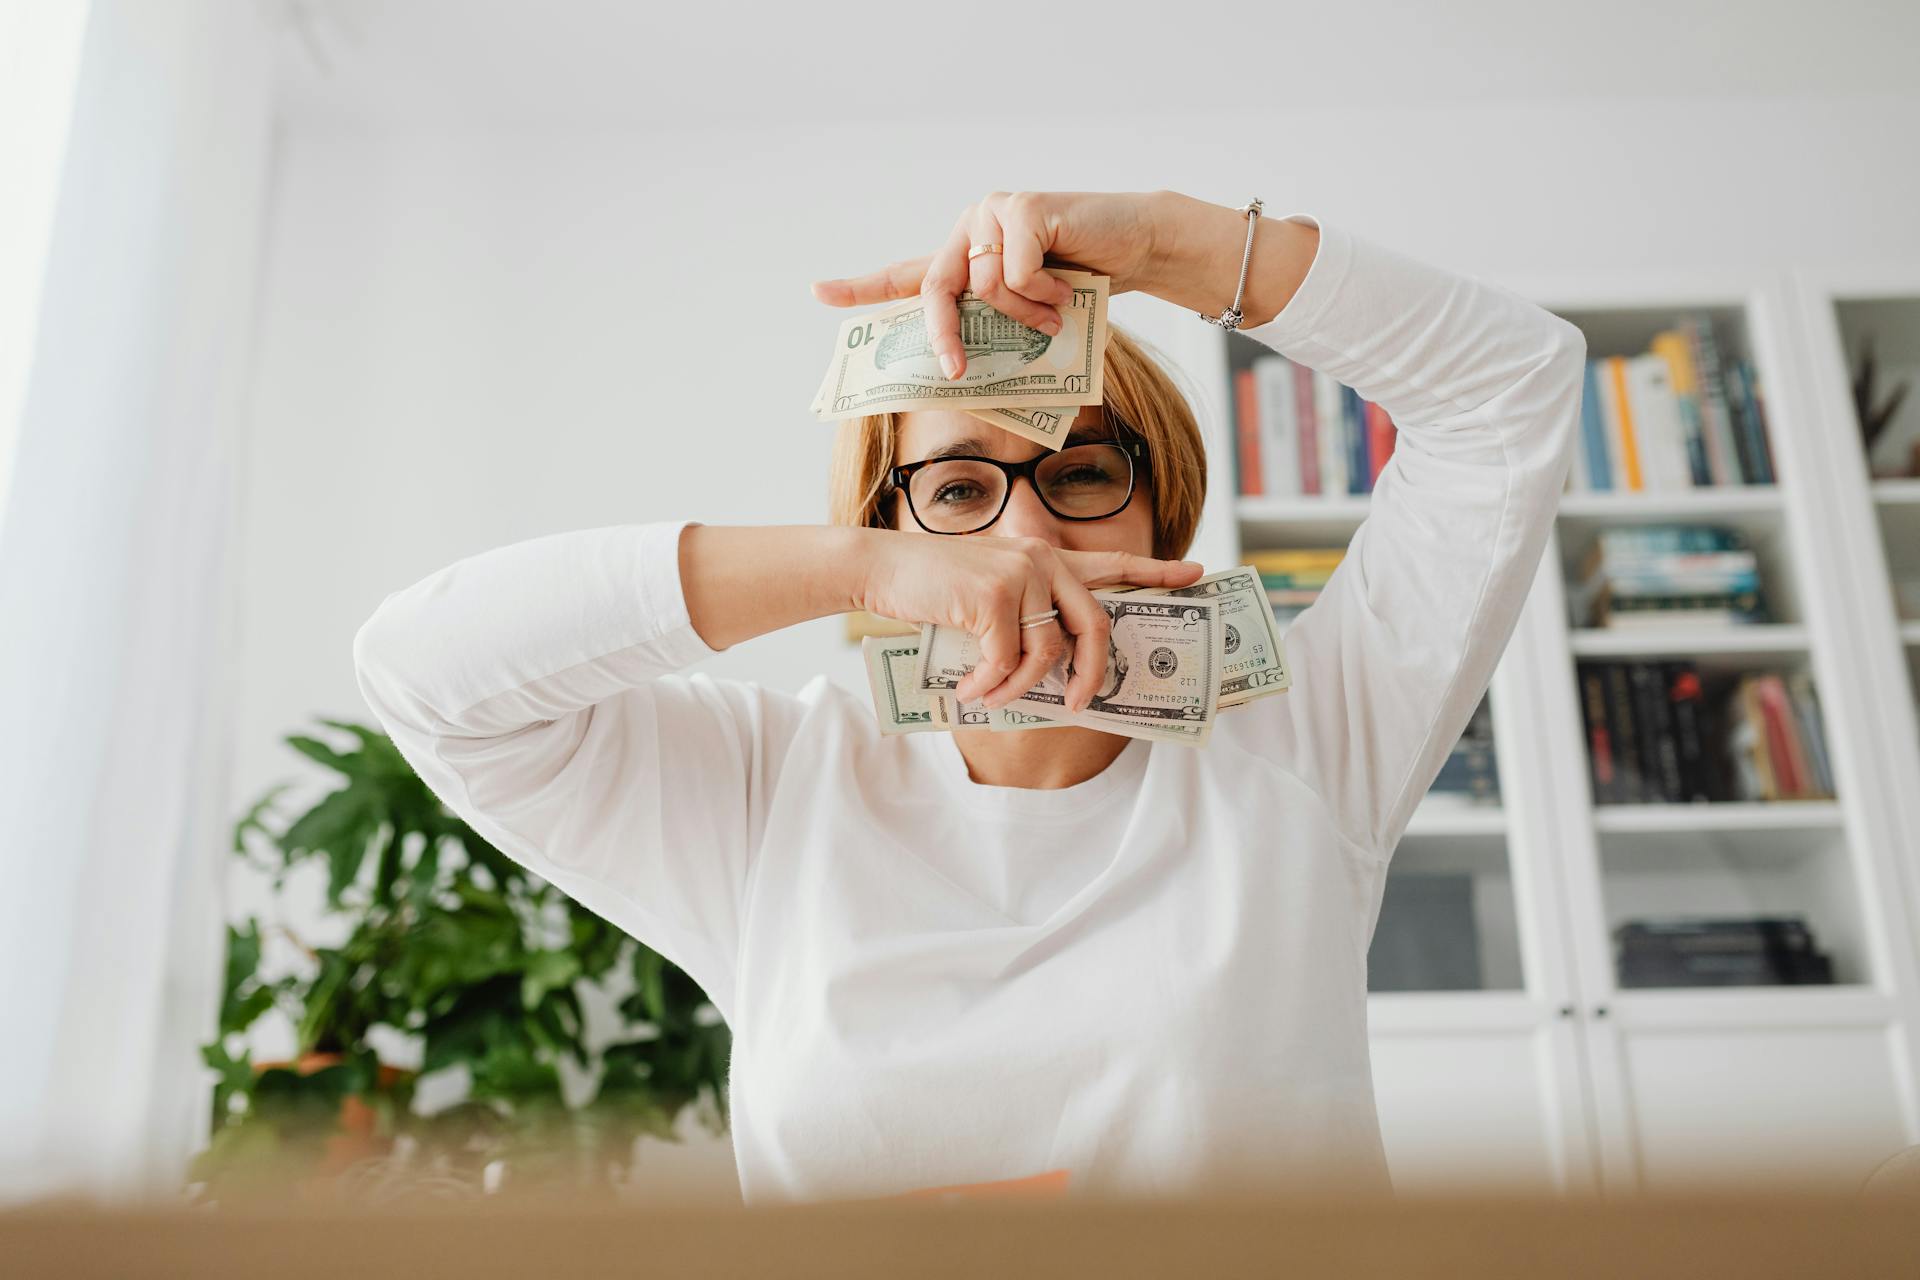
[{"x": 455, "y": 943}]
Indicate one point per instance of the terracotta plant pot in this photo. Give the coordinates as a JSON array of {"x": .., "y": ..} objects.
[{"x": 356, "y": 1139}]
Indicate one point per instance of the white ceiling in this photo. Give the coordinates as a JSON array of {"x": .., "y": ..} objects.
[{"x": 623, "y": 63}]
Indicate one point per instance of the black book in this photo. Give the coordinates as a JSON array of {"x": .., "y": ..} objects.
[
  {"x": 1649, "y": 710},
  {"x": 1666, "y": 736},
  {"x": 1686, "y": 702},
  {"x": 1624, "y": 731},
  {"x": 1749, "y": 970},
  {"x": 1728, "y": 952}
]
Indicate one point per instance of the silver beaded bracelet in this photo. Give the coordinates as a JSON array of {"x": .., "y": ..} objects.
[{"x": 1230, "y": 318}]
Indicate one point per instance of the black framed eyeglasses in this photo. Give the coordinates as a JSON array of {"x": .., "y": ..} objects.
[{"x": 1088, "y": 481}]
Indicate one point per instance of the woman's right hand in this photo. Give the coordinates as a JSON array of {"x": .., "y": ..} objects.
[{"x": 985, "y": 585}]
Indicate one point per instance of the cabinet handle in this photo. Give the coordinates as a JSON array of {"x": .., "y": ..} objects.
[
  {"x": 1599, "y": 1011},
  {"x": 1566, "y": 1011}
]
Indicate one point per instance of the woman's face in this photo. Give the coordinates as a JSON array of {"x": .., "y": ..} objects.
[{"x": 924, "y": 432}]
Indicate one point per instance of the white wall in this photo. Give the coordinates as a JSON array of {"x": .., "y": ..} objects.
[{"x": 472, "y": 338}]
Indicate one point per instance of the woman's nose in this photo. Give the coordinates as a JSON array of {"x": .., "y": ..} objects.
[{"x": 1026, "y": 516}]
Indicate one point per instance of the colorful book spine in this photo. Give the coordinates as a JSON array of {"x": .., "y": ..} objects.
[
  {"x": 1380, "y": 436},
  {"x": 1333, "y": 440},
  {"x": 1279, "y": 426},
  {"x": 1359, "y": 476},
  {"x": 1713, "y": 400},
  {"x": 1671, "y": 346},
  {"x": 1599, "y": 472},
  {"x": 1656, "y": 424},
  {"x": 1600, "y": 747},
  {"x": 1623, "y": 417},
  {"x": 1783, "y": 749},
  {"x": 1813, "y": 729},
  {"x": 1307, "y": 420},
  {"x": 1687, "y": 699},
  {"x": 1752, "y": 418},
  {"x": 1246, "y": 400}
]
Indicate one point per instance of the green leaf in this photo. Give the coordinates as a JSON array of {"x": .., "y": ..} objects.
[
  {"x": 546, "y": 971},
  {"x": 340, "y": 826},
  {"x": 350, "y": 765}
]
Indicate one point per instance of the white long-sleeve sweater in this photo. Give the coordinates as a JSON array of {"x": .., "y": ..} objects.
[{"x": 1153, "y": 982}]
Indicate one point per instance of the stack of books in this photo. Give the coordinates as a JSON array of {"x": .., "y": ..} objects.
[
  {"x": 1674, "y": 417},
  {"x": 1762, "y": 951},
  {"x": 1668, "y": 575},
  {"x": 1294, "y": 579},
  {"x": 1655, "y": 736},
  {"x": 1300, "y": 432}
]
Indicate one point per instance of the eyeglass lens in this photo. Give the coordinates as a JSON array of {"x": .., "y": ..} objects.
[{"x": 1086, "y": 481}]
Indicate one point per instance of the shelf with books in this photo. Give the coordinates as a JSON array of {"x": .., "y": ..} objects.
[
  {"x": 1690, "y": 735},
  {"x": 1645, "y": 574},
  {"x": 1576, "y": 884},
  {"x": 1297, "y": 432},
  {"x": 1673, "y": 402}
]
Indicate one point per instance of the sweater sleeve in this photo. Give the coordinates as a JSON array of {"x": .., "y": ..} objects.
[
  {"x": 1390, "y": 661},
  {"x": 535, "y": 689}
]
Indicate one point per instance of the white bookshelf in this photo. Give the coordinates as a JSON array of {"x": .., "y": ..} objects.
[{"x": 1550, "y": 1073}]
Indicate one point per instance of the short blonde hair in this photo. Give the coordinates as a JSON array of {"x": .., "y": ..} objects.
[{"x": 1138, "y": 393}]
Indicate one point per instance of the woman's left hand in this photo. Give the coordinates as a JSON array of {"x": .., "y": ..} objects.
[{"x": 1109, "y": 233}]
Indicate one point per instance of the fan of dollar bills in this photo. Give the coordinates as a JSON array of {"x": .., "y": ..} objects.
[{"x": 1175, "y": 659}]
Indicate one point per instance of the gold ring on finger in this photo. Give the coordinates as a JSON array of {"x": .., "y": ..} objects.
[
  {"x": 1038, "y": 619},
  {"x": 978, "y": 249}
]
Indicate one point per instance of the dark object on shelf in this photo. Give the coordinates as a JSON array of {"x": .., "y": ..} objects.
[
  {"x": 1873, "y": 421},
  {"x": 1426, "y": 938},
  {"x": 1470, "y": 773},
  {"x": 1733, "y": 952},
  {"x": 1648, "y": 732}
]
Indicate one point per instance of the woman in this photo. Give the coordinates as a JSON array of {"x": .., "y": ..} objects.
[{"x": 1063, "y": 956}]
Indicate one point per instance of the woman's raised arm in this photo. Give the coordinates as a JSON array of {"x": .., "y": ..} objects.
[{"x": 1389, "y": 663}]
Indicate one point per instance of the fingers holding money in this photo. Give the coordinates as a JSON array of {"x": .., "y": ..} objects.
[
  {"x": 1026, "y": 653},
  {"x": 945, "y": 281},
  {"x": 986, "y": 272},
  {"x": 1000, "y": 638},
  {"x": 1012, "y": 280}
]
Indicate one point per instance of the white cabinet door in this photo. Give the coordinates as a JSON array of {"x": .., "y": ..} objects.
[
  {"x": 1801, "y": 1086},
  {"x": 1479, "y": 1090}
]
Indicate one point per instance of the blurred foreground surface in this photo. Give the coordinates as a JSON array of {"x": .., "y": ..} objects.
[{"x": 506, "y": 1234}]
